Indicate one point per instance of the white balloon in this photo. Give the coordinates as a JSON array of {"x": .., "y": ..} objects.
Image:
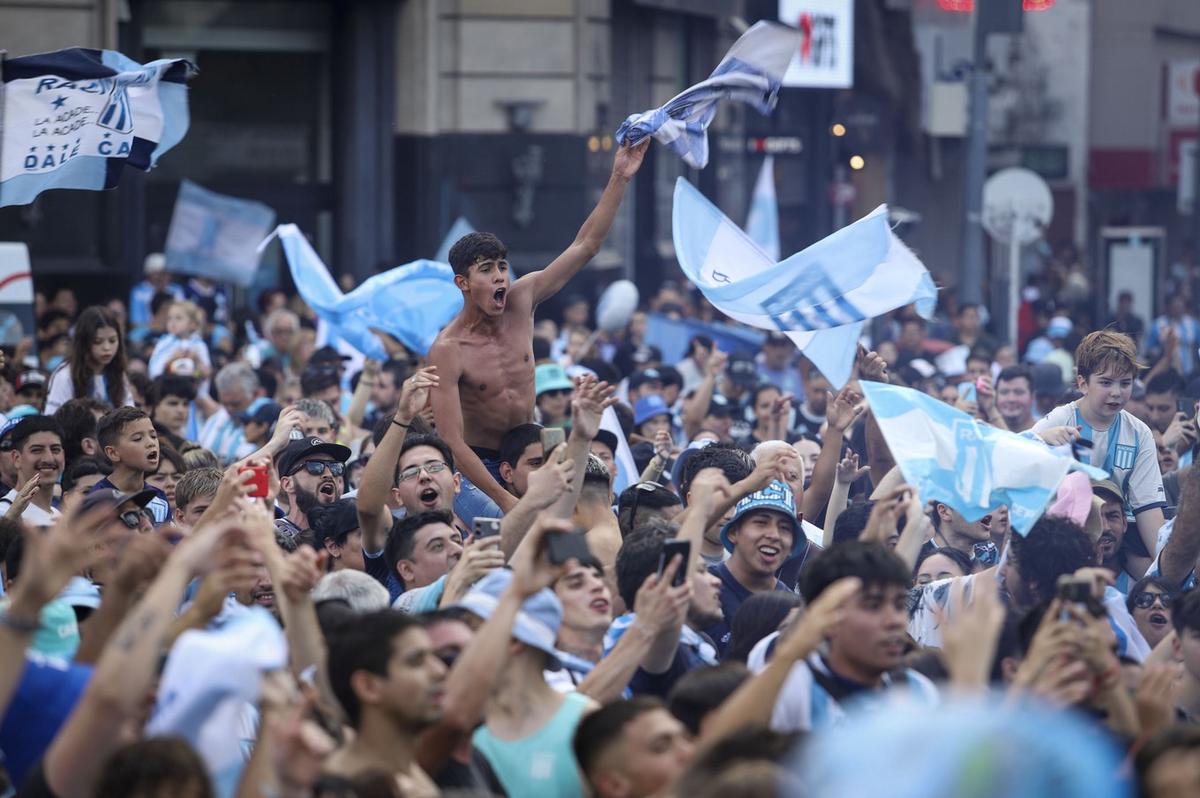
[{"x": 616, "y": 306}]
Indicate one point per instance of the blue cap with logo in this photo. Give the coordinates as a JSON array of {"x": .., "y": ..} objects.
[{"x": 776, "y": 497}]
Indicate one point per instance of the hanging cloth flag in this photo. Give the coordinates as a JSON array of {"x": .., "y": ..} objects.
[
  {"x": 819, "y": 297},
  {"x": 411, "y": 303},
  {"x": 75, "y": 118},
  {"x": 751, "y": 73}
]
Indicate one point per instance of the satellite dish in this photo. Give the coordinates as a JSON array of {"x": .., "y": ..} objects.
[
  {"x": 616, "y": 306},
  {"x": 1017, "y": 206}
]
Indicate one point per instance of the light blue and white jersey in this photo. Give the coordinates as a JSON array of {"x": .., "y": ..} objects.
[
  {"x": 1126, "y": 450},
  {"x": 805, "y": 704}
]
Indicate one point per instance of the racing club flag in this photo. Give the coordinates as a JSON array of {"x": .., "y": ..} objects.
[{"x": 74, "y": 118}]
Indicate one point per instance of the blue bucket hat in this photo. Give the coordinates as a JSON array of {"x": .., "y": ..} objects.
[
  {"x": 777, "y": 497},
  {"x": 551, "y": 377},
  {"x": 649, "y": 407},
  {"x": 537, "y": 621}
]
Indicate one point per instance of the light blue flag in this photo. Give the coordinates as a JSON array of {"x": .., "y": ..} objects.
[
  {"x": 965, "y": 464},
  {"x": 820, "y": 297},
  {"x": 216, "y": 236},
  {"x": 460, "y": 228},
  {"x": 412, "y": 303},
  {"x": 751, "y": 73},
  {"x": 762, "y": 223},
  {"x": 74, "y": 118}
]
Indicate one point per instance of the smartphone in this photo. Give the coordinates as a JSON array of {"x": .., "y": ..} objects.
[
  {"x": 967, "y": 391},
  {"x": 1077, "y": 590},
  {"x": 486, "y": 527},
  {"x": 260, "y": 481},
  {"x": 671, "y": 548},
  {"x": 551, "y": 437},
  {"x": 563, "y": 546},
  {"x": 1186, "y": 405}
]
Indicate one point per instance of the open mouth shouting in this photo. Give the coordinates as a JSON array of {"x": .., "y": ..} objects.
[
  {"x": 1158, "y": 621},
  {"x": 429, "y": 497},
  {"x": 499, "y": 295},
  {"x": 327, "y": 490},
  {"x": 600, "y": 605}
]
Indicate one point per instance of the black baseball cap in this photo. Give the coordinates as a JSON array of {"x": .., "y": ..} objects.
[
  {"x": 116, "y": 498},
  {"x": 318, "y": 376},
  {"x": 743, "y": 370},
  {"x": 608, "y": 439},
  {"x": 296, "y": 452},
  {"x": 333, "y": 520},
  {"x": 327, "y": 354},
  {"x": 719, "y": 406},
  {"x": 644, "y": 376}
]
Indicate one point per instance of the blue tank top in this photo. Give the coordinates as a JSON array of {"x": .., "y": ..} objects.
[{"x": 542, "y": 764}]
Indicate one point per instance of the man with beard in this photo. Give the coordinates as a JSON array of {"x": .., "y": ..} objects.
[
  {"x": 484, "y": 356},
  {"x": 1112, "y": 549},
  {"x": 310, "y": 473}
]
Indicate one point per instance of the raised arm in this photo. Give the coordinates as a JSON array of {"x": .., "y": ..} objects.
[
  {"x": 1178, "y": 557},
  {"x": 550, "y": 280},
  {"x": 447, "y": 415},
  {"x": 379, "y": 476},
  {"x": 125, "y": 672},
  {"x": 587, "y": 406},
  {"x": 844, "y": 410},
  {"x": 696, "y": 408}
]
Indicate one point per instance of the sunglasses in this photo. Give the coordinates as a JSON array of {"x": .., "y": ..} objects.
[
  {"x": 641, "y": 489},
  {"x": 1144, "y": 601},
  {"x": 133, "y": 518},
  {"x": 317, "y": 467},
  {"x": 412, "y": 472}
]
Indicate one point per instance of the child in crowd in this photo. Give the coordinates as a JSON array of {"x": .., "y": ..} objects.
[
  {"x": 96, "y": 365},
  {"x": 182, "y": 342},
  {"x": 1121, "y": 444},
  {"x": 129, "y": 441}
]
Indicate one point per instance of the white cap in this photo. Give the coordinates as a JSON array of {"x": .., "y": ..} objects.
[{"x": 154, "y": 262}]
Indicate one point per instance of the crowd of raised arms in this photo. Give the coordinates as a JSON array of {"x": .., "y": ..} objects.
[{"x": 541, "y": 560}]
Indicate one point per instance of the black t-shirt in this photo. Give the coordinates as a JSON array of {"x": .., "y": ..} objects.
[{"x": 35, "y": 785}]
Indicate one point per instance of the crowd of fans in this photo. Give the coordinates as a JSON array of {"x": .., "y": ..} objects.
[{"x": 240, "y": 561}]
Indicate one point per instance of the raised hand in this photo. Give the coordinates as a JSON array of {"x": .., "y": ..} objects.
[
  {"x": 826, "y": 612},
  {"x": 532, "y": 569},
  {"x": 414, "y": 395},
  {"x": 716, "y": 363},
  {"x": 661, "y": 606},
  {"x": 479, "y": 558},
  {"x": 51, "y": 557},
  {"x": 588, "y": 403},
  {"x": 663, "y": 444},
  {"x": 1060, "y": 436},
  {"x": 971, "y": 633},
  {"x": 844, "y": 408},
  {"x": 24, "y": 496},
  {"x": 848, "y": 470},
  {"x": 549, "y": 482},
  {"x": 629, "y": 159},
  {"x": 288, "y": 420},
  {"x": 301, "y": 571},
  {"x": 872, "y": 366}
]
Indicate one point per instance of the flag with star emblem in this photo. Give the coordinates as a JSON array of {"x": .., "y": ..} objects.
[{"x": 75, "y": 118}]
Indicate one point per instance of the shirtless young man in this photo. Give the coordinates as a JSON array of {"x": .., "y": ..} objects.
[{"x": 484, "y": 355}]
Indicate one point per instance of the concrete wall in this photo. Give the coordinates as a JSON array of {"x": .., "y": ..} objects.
[{"x": 37, "y": 26}]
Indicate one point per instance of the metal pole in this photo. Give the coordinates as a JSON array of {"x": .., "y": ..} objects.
[
  {"x": 1014, "y": 285},
  {"x": 970, "y": 288},
  {"x": 1196, "y": 185}
]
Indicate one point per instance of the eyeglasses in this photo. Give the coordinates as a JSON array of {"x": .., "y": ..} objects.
[
  {"x": 1144, "y": 601},
  {"x": 317, "y": 467},
  {"x": 412, "y": 472}
]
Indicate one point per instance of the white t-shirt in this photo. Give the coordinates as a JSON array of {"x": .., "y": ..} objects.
[
  {"x": 1134, "y": 466},
  {"x": 61, "y": 390},
  {"x": 33, "y": 515}
]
